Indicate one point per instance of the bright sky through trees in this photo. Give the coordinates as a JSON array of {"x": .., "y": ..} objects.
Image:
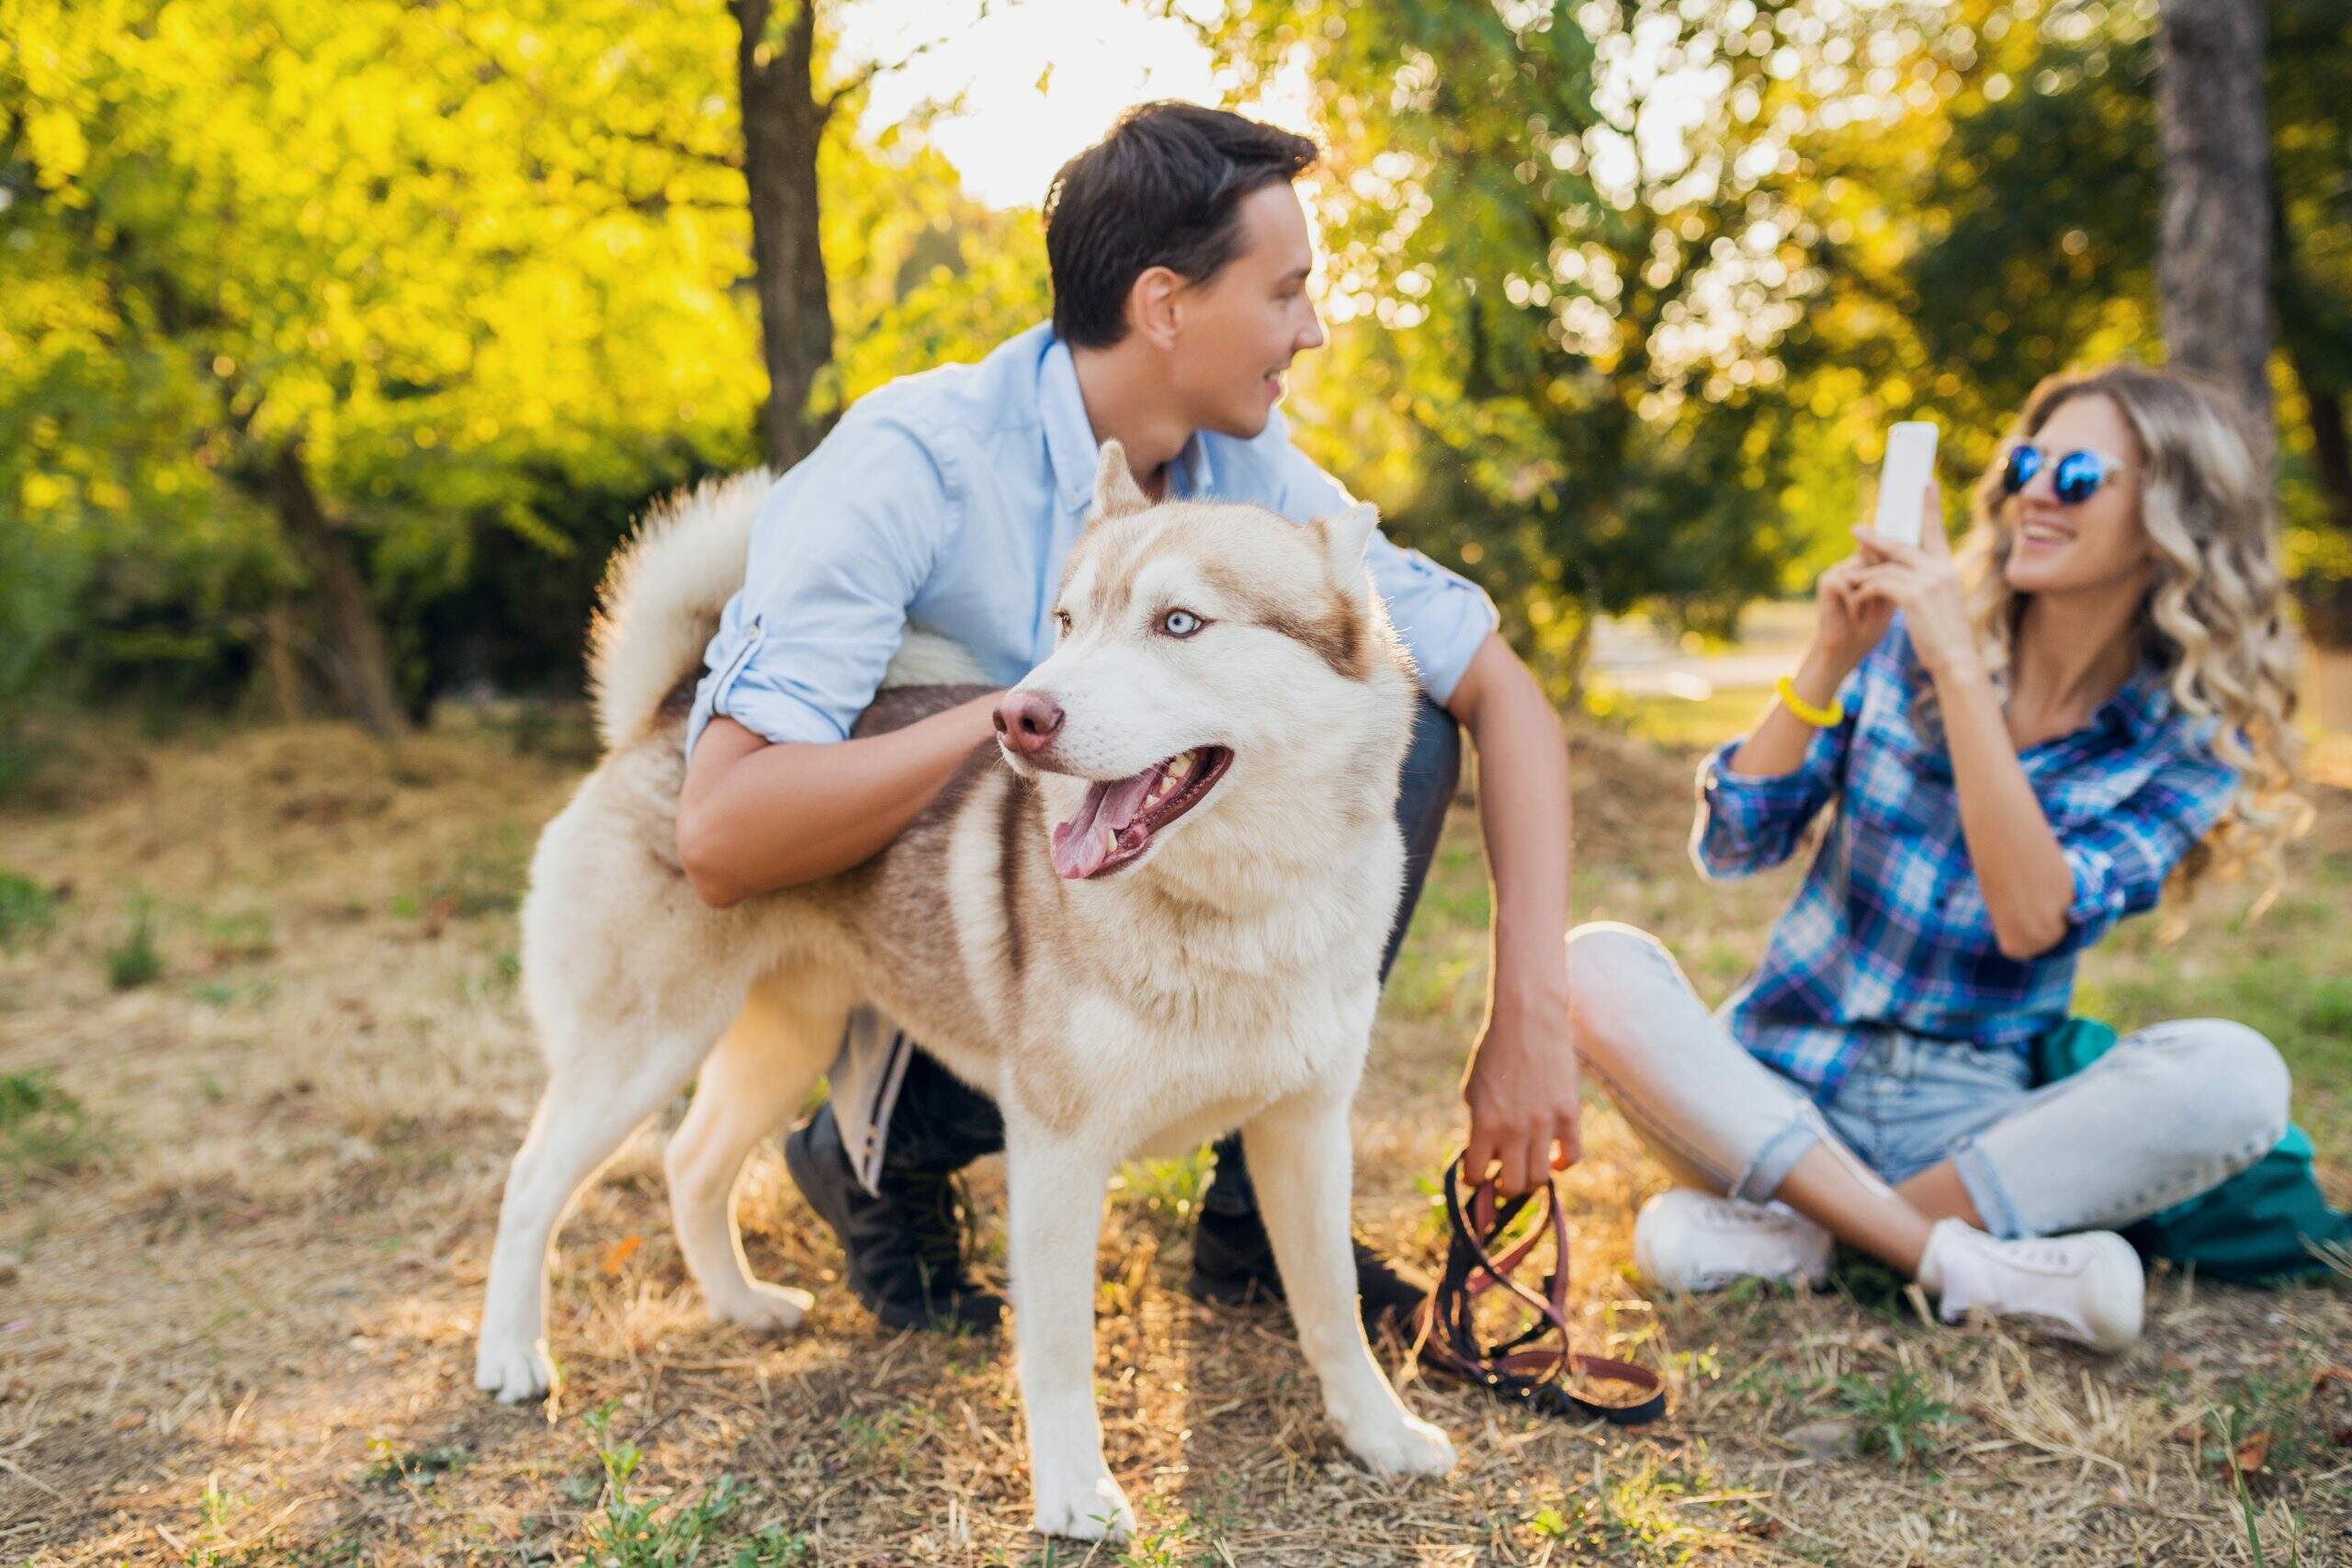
[{"x": 1028, "y": 85}]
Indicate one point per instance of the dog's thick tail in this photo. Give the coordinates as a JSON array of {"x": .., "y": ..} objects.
[{"x": 660, "y": 603}]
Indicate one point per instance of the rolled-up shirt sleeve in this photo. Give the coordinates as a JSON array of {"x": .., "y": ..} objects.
[
  {"x": 841, "y": 546},
  {"x": 1441, "y": 616},
  {"x": 1748, "y": 822},
  {"x": 2121, "y": 858}
]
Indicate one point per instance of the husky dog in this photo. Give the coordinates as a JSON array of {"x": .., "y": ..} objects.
[{"x": 1152, "y": 912}]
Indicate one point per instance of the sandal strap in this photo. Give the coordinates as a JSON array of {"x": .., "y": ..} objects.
[{"x": 1447, "y": 1337}]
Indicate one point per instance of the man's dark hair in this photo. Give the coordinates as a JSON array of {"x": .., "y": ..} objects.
[{"x": 1163, "y": 189}]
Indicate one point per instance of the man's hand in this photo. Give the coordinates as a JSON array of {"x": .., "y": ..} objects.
[
  {"x": 1521, "y": 1092},
  {"x": 1521, "y": 1086}
]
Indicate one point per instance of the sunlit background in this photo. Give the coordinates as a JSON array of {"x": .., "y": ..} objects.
[
  {"x": 1624, "y": 293},
  {"x": 341, "y": 345},
  {"x": 1025, "y": 86}
]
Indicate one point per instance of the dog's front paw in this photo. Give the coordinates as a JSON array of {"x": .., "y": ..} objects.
[
  {"x": 511, "y": 1369},
  {"x": 1084, "y": 1512},
  {"x": 763, "y": 1309},
  {"x": 1404, "y": 1446}
]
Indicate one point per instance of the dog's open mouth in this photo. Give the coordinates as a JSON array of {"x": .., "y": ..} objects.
[{"x": 1115, "y": 821}]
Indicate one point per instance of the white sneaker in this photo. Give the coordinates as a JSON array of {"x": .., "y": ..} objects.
[
  {"x": 1689, "y": 1240},
  {"x": 2086, "y": 1287}
]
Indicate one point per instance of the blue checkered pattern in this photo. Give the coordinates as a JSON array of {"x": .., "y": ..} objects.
[{"x": 1890, "y": 928}]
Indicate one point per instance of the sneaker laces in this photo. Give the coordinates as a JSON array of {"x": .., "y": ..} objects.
[
  {"x": 2042, "y": 1255},
  {"x": 1731, "y": 1215}
]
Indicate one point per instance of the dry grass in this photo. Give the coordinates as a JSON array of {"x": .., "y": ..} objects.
[{"x": 240, "y": 1331}]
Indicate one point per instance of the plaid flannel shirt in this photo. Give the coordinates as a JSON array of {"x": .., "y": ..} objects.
[{"x": 1890, "y": 928}]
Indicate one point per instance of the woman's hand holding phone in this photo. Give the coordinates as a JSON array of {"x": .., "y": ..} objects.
[{"x": 1922, "y": 580}]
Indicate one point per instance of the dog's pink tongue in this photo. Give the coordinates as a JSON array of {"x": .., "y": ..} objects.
[{"x": 1085, "y": 840}]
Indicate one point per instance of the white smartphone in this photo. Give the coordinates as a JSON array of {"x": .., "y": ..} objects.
[{"x": 1902, "y": 480}]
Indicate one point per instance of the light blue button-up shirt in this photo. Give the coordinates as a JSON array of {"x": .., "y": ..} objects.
[{"x": 951, "y": 498}]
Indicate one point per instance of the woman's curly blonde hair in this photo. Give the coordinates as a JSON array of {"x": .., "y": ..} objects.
[{"x": 2214, "y": 623}]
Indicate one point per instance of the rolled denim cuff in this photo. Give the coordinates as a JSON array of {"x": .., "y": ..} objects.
[
  {"x": 1779, "y": 1154},
  {"x": 1985, "y": 1189}
]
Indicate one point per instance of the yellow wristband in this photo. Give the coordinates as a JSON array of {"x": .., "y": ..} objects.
[{"x": 1820, "y": 718}]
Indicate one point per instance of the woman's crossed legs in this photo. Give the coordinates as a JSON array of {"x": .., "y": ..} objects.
[{"x": 2170, "y": 1111}]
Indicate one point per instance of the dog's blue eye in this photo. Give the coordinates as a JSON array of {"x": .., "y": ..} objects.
[{"x": 1180, "y": 623}]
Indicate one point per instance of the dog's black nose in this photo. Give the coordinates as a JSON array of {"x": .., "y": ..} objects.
[{"x": 1026, "y": 721}]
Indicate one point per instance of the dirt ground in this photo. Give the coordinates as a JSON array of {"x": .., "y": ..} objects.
[{"x": 262, "y": 992}]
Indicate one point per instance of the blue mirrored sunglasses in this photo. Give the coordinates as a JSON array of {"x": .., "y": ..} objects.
[{"x": 2073, "y": 477}]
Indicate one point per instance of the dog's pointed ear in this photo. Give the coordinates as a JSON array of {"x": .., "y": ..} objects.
[
  {"x": 1345, "y": 537},
  {"x": 1116, "y": 491}
]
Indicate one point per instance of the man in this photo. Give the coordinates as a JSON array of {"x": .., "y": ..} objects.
[{"x": 1180, "y": 256}]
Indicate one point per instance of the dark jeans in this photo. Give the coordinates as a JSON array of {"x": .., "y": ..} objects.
[{"x": 941, "y": 1123}]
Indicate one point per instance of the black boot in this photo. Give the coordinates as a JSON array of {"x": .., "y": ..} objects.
[
  {"x": 904, "y": 1248},
  {"x": 1233, "y": 1261}
]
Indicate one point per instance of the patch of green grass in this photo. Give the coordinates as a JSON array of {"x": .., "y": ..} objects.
[
  {"x": 2278, "y": 1406},
  {"x": 1896, "y": 1416},
  {"x": 1169, "y": 1189},
  {"x": 44, "y": 1132},
  {"x": 2290, "y": 987},
  {"x": 630, "y": 1531},
  {"x": 487, "y": 879},
  {"x": 395, "y": 1467},
  {"x": 893, "y": 1436},
  {"x": 562, "y": 731},
  {"x": 1682, "y": 724},
  {"x": 258, "y": 993},
  {"x": 1637, "y": 1513},
  {"x": 212, "y": 1548},
  {"x": 133, "y": 961},
  {"x": 245, "y": 934},
  {"x": 1871, "y": 1285},
  {"x": 496, "y": 984},
  {"x": 1165, "y": 1539},
  {"x": 2229, "y": 1427},
  {"x": 28, "y": 911},
  {"x": 1447, "y": 945}
]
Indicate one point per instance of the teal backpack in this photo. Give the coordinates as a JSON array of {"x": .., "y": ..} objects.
[{"x": 2261, "y": 1226}]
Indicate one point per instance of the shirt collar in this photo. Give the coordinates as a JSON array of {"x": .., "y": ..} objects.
[
  {"x": 1190, "y": 474},
  {"x": 1069, "y": 438},
  {"x": 2140, "y": 705}
]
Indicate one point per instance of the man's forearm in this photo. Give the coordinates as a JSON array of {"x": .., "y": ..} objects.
[
  {"x": 1523, "y": 810},
  {"x": 755, "y": 817},
  {"x": 1521, "y": 1085}
]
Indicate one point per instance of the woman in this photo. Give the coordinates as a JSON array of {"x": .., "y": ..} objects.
[{"x": 2024, "y": 746}]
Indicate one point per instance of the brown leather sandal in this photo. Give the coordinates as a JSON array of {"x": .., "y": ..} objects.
[{"x": 1519, "y": 1368}]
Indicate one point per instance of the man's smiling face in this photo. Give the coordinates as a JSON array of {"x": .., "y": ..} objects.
[{"x": 1238, "y": 332}]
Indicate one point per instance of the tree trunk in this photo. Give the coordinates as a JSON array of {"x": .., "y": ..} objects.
[
  {"x": 2332, "y": 448},
  {"x": 351, "y": 645},
  {"x": 2327, "y": 602},
  {"x": 784, "y": 121},
  {"x": 281, "y": 660},
  {"x": 2213, "y": 243},
  {"x": 2307, "y": 318}
]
